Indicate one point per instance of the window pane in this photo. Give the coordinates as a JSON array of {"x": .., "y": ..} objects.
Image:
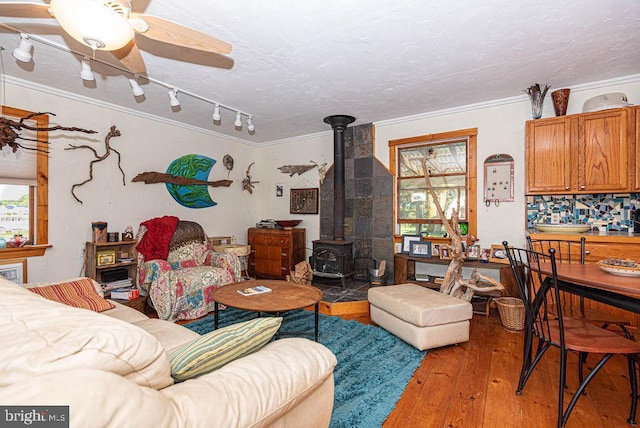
[
  {"x": 416, "y": 202},
  {"x": 449, "y": 158},
  {"x": 14, "y": 211}
]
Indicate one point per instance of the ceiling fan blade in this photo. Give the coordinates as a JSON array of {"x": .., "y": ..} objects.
[
  {"x": 25, "y": 10},
  {"x": 131, "y": 58},
  {"x": 175, "y": 34}
]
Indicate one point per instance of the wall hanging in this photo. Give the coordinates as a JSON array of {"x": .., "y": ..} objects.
[
  {"x": 247, "y": 183},
  {"x": 113, "y": 132},
  {"x": 304, "y": 201},
  {"x": 498, "y": 179},
  {"x": 186, "y": 180},
  {"x": 296, "y": 169},
  {"x": 227, "y": 161}
]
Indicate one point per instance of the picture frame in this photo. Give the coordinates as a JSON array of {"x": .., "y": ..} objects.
[
  {"x": 445, "y": 253},
  {"x": 420, "y": 249},
  {"x": 406, "y": 242},
  {"x": 303, "y": 201},
  {"x": 497, "y": 254},
  {"x": 435, "y": 250},
  {"x": 473, "y": 252},
  {"x": 484, "y": 255}
]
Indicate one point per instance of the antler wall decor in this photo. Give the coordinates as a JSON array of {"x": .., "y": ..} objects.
[
  {"x": 108, "y": 149},
  {"x": 8, "y": 136}
]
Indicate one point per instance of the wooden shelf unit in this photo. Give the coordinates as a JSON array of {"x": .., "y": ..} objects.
[
  {"x": 275, "y": 252},
  {"x": 92, "y": 249}
]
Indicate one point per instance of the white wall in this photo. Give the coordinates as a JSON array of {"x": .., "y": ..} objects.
[{"x": 145, "y": 145}]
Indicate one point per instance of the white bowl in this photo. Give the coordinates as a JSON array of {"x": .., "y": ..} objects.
[
  {"x": 563, "y": 228},
  {"x": 605, "y": 101}
]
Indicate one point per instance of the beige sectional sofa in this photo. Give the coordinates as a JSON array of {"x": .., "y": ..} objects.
[{"x": 112, "y": 369}]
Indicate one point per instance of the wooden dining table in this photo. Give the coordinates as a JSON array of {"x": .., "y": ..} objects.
[{"x": 590, "y": 281}]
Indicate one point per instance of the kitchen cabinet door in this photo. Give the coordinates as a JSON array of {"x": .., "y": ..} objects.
[
  {"x": 603, "y": 152},
  {"x": 549, "y": 156}
]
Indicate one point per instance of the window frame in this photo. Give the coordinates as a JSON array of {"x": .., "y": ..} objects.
[
  {"x": 41, "y": 209},
  {"x": 470, "y": 135}
]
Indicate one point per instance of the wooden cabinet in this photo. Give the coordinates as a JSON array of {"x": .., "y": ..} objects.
[
  {"x": 275, "y": 252},
  {"x": 582, "y": 153},
  {"x": 103, "y": 257},
  {"x": 635, "y": 129}
]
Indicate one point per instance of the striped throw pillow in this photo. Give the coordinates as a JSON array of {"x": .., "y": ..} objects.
[
  {"x": 219, "y": 347},
  {"x": 79, "y": 293}
]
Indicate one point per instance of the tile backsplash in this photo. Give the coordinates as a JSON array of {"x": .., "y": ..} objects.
[{"x": 606, "y": 211}]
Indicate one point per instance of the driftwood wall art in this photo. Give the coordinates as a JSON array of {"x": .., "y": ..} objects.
[
  {"x": 8, "y": 134},
  {"x": 322, "y": 170},
  {"x": 295, "y": 169},
  {"x": 454, "y": 284},
  {"x": 248, "y": 183},
  {"x": 113, "y": 132},
  {"x": 186, "y": 180}
]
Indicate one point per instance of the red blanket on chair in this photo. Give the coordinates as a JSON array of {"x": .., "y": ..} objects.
[{"x": 155, "y": 242}]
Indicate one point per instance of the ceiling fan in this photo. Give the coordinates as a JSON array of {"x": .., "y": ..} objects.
[{"x": 111, "y": 25}]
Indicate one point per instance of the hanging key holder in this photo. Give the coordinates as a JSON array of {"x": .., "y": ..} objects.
[{"x": 498, "y": 179}]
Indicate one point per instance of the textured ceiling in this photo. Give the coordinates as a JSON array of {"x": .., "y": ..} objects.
[{"x": 295, "y": 62}]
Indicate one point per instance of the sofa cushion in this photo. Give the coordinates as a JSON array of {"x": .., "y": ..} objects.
[
  {"x": 79, "y": 293},
  {"x": 40, "y": 336},
  {"x": 219, "y": 347}
]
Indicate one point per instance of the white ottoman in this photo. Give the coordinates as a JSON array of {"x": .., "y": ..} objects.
[{"x": 421, "y": 317}]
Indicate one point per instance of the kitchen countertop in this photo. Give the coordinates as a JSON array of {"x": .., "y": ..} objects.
[{"x": 591, "y": 236}]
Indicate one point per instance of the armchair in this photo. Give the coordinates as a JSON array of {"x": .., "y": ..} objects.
[{"x": 178, "y": 270}]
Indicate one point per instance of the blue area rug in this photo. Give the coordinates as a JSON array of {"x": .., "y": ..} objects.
[{"x": 373, "y": 368}]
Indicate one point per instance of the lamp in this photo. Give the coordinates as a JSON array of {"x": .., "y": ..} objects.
[
  {"x": 23, "y": 52},
  {"x": 173, "y": 98},
  {"x": 250, "y": 126},
  {"x": 216, "y": 113},
  {"x": 86, "y": 73},
  {"x": 238, "y": 122},
  {"x": 135, "y": 88},
  {"x": 93, "y": 23}
]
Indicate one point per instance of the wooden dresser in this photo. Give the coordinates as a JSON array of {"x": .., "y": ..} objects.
[{"x": 275, "y": 252}]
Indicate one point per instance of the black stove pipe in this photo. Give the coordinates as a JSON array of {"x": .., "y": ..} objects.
[{"x": 339, "y": 123}]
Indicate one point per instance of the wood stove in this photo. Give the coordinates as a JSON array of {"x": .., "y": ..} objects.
[{"x": 334, "y": 258}]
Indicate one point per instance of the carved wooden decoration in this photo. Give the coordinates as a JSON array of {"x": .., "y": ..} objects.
[
  {"x": 296, "y": 169},
  {"x": 108, "y": 149},
  {"x": 247, "y": 183},
  {"x": 159, "y": 177},
  {"x": 454, "y": 284},
  {"x": 8, "y": 134},
  {"x": 322, "y": 170}
]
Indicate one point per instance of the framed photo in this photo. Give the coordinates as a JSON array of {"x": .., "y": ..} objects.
[
  {"x": 436, "y": 250},
  {"x": 420, "y": 248},
  {"x": 406, "y": 242},
  {"x": 303, "y": 201},
  {"x": 473, "y": 252},
  {"x": 498, "y": 255},
  {"x": 445, "y": 252},
  {"x": 484, "y": 255}
]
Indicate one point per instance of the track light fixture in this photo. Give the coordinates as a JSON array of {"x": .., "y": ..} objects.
[
  {"x": 216, "y": 113},
  {"x": 135, "y": 88},
  {"x": 86, "y": 73},
  {"x": 173, "y": 98},
  {"x": 238, "y": 122},
  {"x": 23, "y": 52},
  {"x": 250, "y": 126}
]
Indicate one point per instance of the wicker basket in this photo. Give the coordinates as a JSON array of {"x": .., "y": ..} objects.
[{"x": 511, "y": 313}]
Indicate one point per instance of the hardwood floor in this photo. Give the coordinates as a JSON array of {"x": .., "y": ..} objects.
[{"x": 473, "y": 385}]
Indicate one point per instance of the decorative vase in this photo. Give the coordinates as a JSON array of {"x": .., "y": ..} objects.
[
  {"x": 536, "y": 94},
  {"x": 560, "y": 101}
]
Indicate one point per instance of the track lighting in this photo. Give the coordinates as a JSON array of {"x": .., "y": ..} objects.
[
  {"x": 86, "y": 73},
  {"x": 250, "y": 126},
  {"x": 135, "y": 88},
  {"x": 216, "y": 113},
  {"x": 173, "y": 98},
  {"x": 238, "y": 122},
  {"x": 23, "y": 52}
]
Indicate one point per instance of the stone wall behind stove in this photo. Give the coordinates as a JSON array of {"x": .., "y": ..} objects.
[{"x": 368, "y": 201}]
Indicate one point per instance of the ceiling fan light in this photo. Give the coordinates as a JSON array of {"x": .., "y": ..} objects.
[
  {"x": 92, "y": 23},
  {"x": 23, "y": 52},
  {"x": 238, "y": 122},
  {"x": 86, "y": 73},
  {"x": 173, "y": 98},
  {"x": 135, "y": 88},
  {"x": 216, "y": 113}
]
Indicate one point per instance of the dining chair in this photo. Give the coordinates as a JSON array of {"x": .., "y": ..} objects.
[
  {"x": 539, "y": 293},
  {"x": 574, "y": 251}
]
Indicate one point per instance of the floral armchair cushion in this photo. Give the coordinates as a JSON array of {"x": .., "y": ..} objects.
[{"x": 181, "y": 286}]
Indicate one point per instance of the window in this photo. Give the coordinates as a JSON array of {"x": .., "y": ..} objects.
[
  {"x": 24, "y": 191},
  {"x": 451, "y": 161}
]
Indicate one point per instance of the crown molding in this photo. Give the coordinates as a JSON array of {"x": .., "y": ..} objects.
[{"x": 99, "y": 103}]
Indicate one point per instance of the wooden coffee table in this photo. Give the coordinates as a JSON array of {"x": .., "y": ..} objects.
[{"x": 284, "y": 296}]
